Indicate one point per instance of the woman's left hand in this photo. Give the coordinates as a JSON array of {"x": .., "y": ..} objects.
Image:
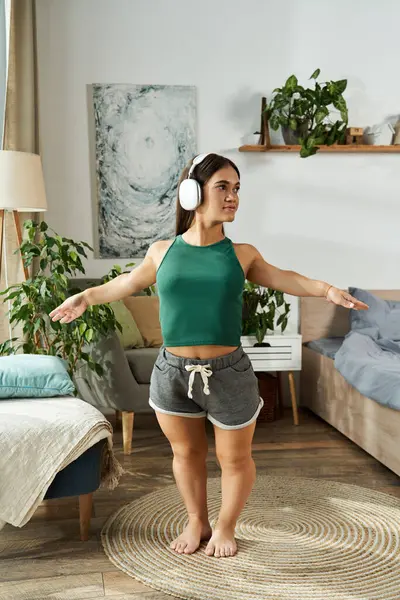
[{"x": 342, "y": 298}]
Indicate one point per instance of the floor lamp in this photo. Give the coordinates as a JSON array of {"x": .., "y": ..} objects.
[{"x": 21, "y": 190}]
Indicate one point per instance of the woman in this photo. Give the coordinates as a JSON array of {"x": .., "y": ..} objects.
[{"x": 201, "y": 370}]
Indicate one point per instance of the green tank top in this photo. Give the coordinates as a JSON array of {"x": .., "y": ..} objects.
[{"x": 200, "y": 290}]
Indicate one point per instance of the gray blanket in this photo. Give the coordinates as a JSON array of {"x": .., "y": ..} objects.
[{"x": 369, "y": 358}]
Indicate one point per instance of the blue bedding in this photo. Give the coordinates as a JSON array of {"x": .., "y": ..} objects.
[
  {"x": 369, "y": 357},
  {"x": 326, "y": 346}
]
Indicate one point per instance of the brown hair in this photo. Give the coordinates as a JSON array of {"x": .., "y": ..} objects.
[{"x": 202, "y": 173}]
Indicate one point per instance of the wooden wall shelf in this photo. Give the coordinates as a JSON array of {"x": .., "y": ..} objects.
[
  {"x": 266, "y": 146},
  {"x": 334, "y": 148}
]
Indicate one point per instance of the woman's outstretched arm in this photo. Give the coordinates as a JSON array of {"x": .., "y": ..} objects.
[{"x": 293, "y": 283}]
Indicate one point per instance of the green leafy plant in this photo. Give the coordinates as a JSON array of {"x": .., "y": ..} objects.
[
  {"x": 32, "y": 301},
  {"x": 305, "y": 114},
  {"x": 263, "y": 310}
]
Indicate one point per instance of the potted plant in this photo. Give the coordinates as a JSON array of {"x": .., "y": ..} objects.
[
  {"x": 305, "y": 114},
  {"x": 263, "y": 310},
  {"x": 34, "y": 299}
]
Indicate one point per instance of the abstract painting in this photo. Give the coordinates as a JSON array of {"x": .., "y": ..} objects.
[{"x": 144, "y": 136}]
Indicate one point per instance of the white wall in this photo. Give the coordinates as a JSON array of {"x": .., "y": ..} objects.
[{"x": 333, "y": 216}]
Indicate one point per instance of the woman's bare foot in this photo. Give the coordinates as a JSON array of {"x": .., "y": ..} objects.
[
  {"x": 222, "y": 542},
  {"x": 189, "y": 540}
]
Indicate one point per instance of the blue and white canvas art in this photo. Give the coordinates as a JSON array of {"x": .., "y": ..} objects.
[{"x": 145, "y": 135}]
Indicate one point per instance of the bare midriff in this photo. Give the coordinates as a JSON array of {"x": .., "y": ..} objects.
[{"x": 200, "y": 352}]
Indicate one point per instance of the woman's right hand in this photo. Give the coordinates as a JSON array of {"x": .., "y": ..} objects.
[{"x": 70, "y": 309}]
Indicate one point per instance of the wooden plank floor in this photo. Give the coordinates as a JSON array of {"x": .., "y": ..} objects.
[{"x": 46, "y": 560}]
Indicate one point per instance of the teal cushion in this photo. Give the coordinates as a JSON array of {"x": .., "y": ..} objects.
[{"x": 34, "y": 376}]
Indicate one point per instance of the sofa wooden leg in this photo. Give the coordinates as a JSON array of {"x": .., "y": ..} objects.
[
  {"x": 85, "y": 512},
  {"x": 127, "y": 430}
]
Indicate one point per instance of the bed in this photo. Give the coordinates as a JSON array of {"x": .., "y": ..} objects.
[{"x": 370, "y": 425}]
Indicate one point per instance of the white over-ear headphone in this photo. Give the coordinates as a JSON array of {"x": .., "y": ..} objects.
[{"x": 189, "y": 193}]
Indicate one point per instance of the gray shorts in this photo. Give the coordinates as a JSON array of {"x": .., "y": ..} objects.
[{"x": 223, "y": 389}]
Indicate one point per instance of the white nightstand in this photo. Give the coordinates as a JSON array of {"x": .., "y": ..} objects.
[{"x": 283, "y": 354}]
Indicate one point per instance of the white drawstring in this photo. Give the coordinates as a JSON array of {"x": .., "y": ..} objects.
[{"x": 205, "y": 374}]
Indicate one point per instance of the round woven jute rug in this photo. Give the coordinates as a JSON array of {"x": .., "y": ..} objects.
[{"x": 298, "y": 539}]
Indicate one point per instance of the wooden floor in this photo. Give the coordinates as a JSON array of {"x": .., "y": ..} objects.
[{"x": 46, "y": 560}]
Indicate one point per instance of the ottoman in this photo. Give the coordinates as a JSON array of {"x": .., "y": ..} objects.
[{"x": 80, "y": 478}]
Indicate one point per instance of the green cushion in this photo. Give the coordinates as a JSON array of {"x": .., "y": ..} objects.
[
  {"x": 130, "y": 336},
  {"x": 34, "y": 376}
]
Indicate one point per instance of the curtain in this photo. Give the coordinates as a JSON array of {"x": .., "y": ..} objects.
[
  {"x": 3, "y": 64},
  {"x": 20, "y": 126}
]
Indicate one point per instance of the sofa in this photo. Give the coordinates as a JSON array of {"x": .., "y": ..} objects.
[{"x": 124, "y": 386}]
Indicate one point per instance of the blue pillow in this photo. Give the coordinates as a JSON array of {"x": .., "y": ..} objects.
[
  {"x": 375, "y": 315},
  {"x": 34, "y": 376},
  {"x": 383, "y": 314}
]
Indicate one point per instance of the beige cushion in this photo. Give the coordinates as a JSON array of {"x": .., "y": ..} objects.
[
  {"x": 130, "y": 337},
  {"x": 145, "y": 311}
]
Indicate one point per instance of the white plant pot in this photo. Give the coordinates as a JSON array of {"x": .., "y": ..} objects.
[
  {"x": 385, "y": 138},
  {"x": 253, "y": 139},
  {"x": 380, "y": 137},
  {"x": 371, "y": 139}
]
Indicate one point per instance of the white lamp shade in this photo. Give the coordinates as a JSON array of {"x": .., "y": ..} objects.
[{"x": 21, "y": 182}]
